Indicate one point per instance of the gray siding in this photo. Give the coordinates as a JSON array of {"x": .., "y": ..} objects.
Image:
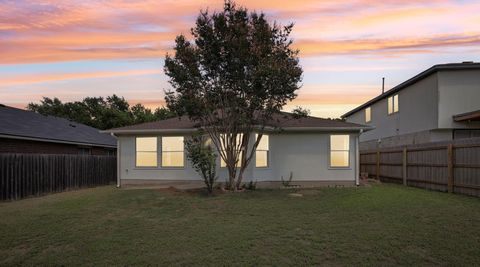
[
  {"x": 417, "y": 112},
  {"x": 459, "y": 92},
  {"x": 304, "y": 154}
]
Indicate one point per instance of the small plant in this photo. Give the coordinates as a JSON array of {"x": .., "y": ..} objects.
[
  {"x": 287, "y": 183},
  {"x": 250, "y": 185},
  {"x": 203, "y": 159},
  {"x": 227, "y": 184}
]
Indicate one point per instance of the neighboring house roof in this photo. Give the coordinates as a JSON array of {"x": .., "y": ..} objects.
[
  {"x": 469, "y": 116},
  {"x": 418, "y": 77},
  {"x": 21, "y": 124},
  {"x": 284, "y": 121}
]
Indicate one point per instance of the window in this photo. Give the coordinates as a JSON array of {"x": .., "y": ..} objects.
[
  {"x": 261, "y": 154},
  {"x": 146, "y": 151},
  {"x": 223, "y": 164},
  {"x": 172, "y": 151},
  {"x": 393, "y": 104},
  {"x": 368, "y": 114},
  {"x": 339, "y": 151}
]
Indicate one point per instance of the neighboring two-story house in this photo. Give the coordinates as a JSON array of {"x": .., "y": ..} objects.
[{"x": 441, "y": 103}]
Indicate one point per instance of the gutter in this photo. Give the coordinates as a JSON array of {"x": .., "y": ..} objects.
[
  {"x": 422, "y": 75},
  {"x": 52, "y": 140},
  {"x": 286, "y": 129},
  {"x": 118, "y": 160},
  {"x": 150, "y": 131},
  {"x": 357, "y": 158},
  {"x": 324, "y": 129}
]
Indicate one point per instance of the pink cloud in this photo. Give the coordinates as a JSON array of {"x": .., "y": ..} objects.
[{"x": 71, "y": 30}]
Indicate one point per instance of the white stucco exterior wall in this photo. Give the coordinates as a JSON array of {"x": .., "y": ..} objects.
[{"x": 306, "y": 155}]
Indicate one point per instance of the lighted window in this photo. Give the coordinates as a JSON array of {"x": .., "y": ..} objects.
[
  {"x": 392, "y": 104},
  {"x": 172, "y": 151},
  {"x": 223, "y": 164},
  {"x": 146, "y": 151},
  {"x": 368, "y": 114},
  {"x": 261, "y": 154},
  {"x": 395, "y": 103},
  {"x": 339, "y": 150}
]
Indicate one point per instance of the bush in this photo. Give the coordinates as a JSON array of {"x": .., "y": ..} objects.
[
  {"x": 203, "y": 159},
  {"x": 250, "y": 185},
  {"x": 286, "y": 183}
]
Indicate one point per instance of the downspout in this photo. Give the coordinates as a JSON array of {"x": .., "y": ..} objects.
[
  {"x": 357, "y": 158},
  {"x": 118, "y": 160}
]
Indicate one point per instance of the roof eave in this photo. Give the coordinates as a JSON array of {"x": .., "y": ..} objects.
[
  {"x": 326, "y": 129},
  {"x": 268, "y": 129},
  {"x": 55, "y": 141},
  {"x": 134, "y": 131},
  {"x": 422, "y": 75},
  {"x": 469, "y": 116}
]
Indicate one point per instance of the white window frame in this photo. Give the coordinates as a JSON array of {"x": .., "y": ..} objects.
[
  {"x": 156, "y": 151},
  {"x": 223, "y": 164},
  {"x": 368, "y": 114},
  {"x": 170, "y": 151},
  {"x": 392, "y": 104},
  {"x": 330, "y": 150},
  {"x": 262, "y": 150}
]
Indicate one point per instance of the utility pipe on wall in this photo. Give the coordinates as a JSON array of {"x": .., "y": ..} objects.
[
  {"x": 357, "y": 158},
  {"x": 118, "y": 159}
]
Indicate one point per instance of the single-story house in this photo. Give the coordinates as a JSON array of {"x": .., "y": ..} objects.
[
  {"x": 315, "y": 151},
  {"x": 23, "y": 131}
]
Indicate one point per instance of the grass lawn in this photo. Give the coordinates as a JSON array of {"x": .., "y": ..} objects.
[{"x": 381, "y": 225}]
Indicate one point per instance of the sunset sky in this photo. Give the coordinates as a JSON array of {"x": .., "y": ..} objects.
[{"x": 71, "y": 49}]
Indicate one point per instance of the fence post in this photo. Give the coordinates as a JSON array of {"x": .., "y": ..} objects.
[
  {"x": 450, "y": 167},
  {"x": 378, "y": 165},
  {"x": 404, "y": 166}
]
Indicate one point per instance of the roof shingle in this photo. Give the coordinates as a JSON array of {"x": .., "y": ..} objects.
[
  {"x": 284, "y": 121},
  {"x": 27, "y": 124}
]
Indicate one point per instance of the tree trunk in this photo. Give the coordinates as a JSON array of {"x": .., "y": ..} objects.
[
  {"x": 231, "y": 179},
  {"x": 240, "y": 177}
]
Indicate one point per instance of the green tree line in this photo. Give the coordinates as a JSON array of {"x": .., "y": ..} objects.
[{"x": 99, "y": 112}]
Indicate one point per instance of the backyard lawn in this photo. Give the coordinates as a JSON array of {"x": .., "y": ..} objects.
[{"x": 381, "y": 225}]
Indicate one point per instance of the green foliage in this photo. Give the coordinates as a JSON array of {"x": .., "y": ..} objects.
[
  {"x": 102, "y": 113},
  {"x": 203, "y": 159},
  {"x": 237, "y": 72},
  {"x": 299, "y": 112},
  {"x": 286, "y": 183},
  {"x": 250, "y": 185},
  {"x": 237, "y": 61}
]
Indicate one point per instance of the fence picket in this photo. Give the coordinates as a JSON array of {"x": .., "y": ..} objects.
[
  {"x": 452, "y": 166},
  {"x": 24, "y": 175}
]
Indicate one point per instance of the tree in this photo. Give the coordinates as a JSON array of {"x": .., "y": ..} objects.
[
  {"x": 203, "y": 159},
  {"x": 236, "y": 74},
  {"x": 102, "y": 113}
]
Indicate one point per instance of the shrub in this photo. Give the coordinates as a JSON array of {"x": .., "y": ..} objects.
[
  {"x": 203, "y": 159},
  {"x": 250, "y": 185},
  {"x": 286, "y": 183}
]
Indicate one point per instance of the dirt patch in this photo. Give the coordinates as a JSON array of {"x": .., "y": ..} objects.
[{"x": 189, "y": 192}]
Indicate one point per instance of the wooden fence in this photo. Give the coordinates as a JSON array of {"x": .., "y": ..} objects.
[
  {"x": 445, "y": 166},
  {"x": 23, "y": 175}
]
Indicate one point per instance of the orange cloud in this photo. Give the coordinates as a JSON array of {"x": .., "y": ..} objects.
[
  {"x": 40, "y": 78},
  {"x": 71, "y": 30},
  {"x": 393, "y": 16},
  {"x": 384, "y": 46}
]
